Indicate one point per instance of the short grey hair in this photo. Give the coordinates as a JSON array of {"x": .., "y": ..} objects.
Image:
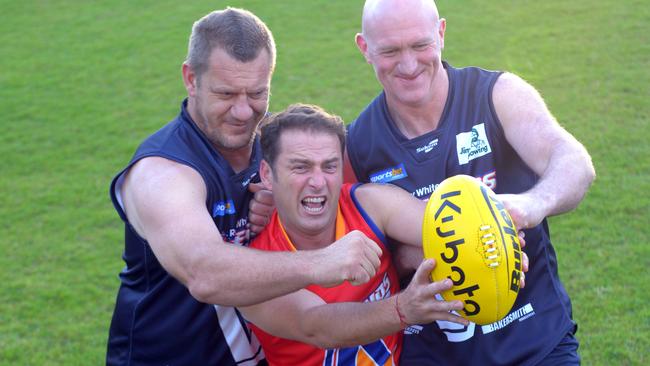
[{"x": 237, "y": 31}]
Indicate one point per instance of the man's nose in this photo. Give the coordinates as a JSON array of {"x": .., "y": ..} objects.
[
  {"x": 408, "y": 63},
  {"x": 242, "y": 110}
]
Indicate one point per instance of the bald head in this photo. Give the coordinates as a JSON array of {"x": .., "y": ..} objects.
[{"x": 382, "y": 11}]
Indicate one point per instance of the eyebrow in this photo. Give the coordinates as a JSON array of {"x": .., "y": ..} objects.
[
  {"x": 225, "y": 89},
  {"x": 307, "y": 161}
]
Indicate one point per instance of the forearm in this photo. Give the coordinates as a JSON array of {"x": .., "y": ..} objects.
[
  {"x": 243, "y": 276},
  {"x": 565, "y": 181},
  {"x": 348, "y": 324}
]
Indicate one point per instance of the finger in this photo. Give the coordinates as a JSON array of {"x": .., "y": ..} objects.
[
  {"x": 454, "y": 319},
  {"x": 265, "y": 198},
  {"x": 522, "y": 236},
  {"x": 373, "y": 246},
  {"x": 255, "y": 219},
  {"x": 423, "y": 272},
  {"x": 441, "y": 286},
  {"x": 372, "y": 256},
  {"x": 525, "y": 262},
  {"x": 360, "y": 278},
  {"x": 255, "y": 187},
  {"x": 522, "y": 280},
  {"x": 370, "y": 267},
  {"x": 255, "y": 229}
]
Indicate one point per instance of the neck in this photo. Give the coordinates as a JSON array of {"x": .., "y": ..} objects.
[
  {"x": 238, "y": 159},
  {"x": 306, "y": 241},
  {"x": 415, "y": 120}
]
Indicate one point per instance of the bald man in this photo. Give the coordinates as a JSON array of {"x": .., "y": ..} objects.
[{"x": 433, "y": 121}]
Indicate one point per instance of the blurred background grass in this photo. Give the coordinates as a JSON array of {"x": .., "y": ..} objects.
[{"x": 82, "y": 83}]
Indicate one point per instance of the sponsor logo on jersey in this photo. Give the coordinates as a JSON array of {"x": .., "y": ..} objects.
[
  {"x": 223, "y": 208},
  {"x": 473, "y": 144},
  {"x": 413, "y": 329},
  {"x": 245, "y": 182},
  {"x": 489, "y": 179},
  {"x": 381, "y": 292},
  {"x": 424, "y": 192},
  {"x": 239, "y": 235},
  {"x": 428, "y": 147},
  {"x": 389, "y": 175},
  {"x": 520, "y": 314}
]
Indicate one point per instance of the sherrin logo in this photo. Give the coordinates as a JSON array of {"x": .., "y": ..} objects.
[
  {"x": 389, "y": 175},
  {"x": 223, "y": 208},
  {"x": 473, "y": 144}
]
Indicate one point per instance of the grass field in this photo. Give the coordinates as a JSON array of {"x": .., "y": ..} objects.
[{"x": 82, "y": 83}]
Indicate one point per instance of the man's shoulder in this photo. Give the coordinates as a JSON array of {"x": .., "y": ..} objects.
[
  {"x": 368, "y": 114},
  {"x": 271, "y": 238}
]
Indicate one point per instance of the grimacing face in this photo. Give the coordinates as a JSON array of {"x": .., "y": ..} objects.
[
  {"x": 230, "y": 98},
  {"x": 306, "y": 180},
  {"x": 405, "y": 50}
]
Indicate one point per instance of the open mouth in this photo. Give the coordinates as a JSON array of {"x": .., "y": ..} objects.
[{"x": 314, "y": 204}]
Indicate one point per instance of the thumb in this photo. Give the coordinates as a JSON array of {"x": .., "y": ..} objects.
[
  {"x": 423, "y": 273},
  {"x": 256, "y": 187}
]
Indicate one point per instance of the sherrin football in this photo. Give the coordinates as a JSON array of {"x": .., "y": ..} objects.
[{"x": 474, "y": 241}]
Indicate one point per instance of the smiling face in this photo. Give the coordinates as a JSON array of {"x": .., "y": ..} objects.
[
  {"x": 229, "y": 99},
  {"x": 306, "y": 179},
  {"x": 403, "y": 40}
]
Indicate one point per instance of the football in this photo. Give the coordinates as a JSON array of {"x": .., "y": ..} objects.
[{"x": 474, "y": 241}]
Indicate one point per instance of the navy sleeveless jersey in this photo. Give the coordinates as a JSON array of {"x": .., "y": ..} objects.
[
  {"x": 469, "y": 140},
  {"x": 156, "y": 320}
]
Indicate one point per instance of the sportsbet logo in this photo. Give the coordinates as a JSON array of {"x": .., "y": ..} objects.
[{"x": 389, "y": 175}]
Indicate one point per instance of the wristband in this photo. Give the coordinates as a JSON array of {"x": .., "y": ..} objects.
[{"x": 402, "y": 318}]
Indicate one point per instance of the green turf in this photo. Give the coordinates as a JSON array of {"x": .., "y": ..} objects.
[{"x": 81, "y": 83}]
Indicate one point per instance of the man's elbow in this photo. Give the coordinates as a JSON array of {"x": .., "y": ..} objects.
[
  {"x": 589, "y": 172},
  {"x": 210, "y": 292},
  {"x": 202, "y": 291}
]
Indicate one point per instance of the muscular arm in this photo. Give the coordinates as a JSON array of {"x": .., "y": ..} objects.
[
  {"x": 399, "y": 215},
  {"x": 395, "y": 211},
  {"x": 165, "y": 203},
  {"x": 303, "y": 316},
  {"x": 562, "y": 163}
]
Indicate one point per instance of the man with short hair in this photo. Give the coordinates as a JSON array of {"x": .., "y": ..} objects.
[
  {"x": 434, "y": 121},
  {"x": 184, "y": 200},
  {"x": 343, "y": 325}
]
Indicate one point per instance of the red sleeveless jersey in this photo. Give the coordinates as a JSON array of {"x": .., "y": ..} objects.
[{"x": 385, "y": 351}]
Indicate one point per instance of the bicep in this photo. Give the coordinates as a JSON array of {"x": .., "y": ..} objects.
[
  {"x": 397, "y": 212},
  {"x": 529, "y": 126},
  {"x": 165, "y": 202}
]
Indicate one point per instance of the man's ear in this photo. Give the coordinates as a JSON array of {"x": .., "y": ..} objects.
[
  {"x": 189, "y": 79},
  {"x": 266, "y": 175},
  {"x": 442, "y": 26},
  {"x": 362, "y": 45}
]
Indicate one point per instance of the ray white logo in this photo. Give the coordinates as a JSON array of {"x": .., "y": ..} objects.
[
  {"x": 389, "y": 175},
  {"x": 473, "y": 144},
  {"x": 428, "y": 147}
]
